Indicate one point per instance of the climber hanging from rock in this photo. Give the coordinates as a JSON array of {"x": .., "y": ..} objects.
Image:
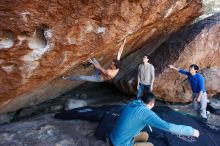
[{"x": 101, "y": 74}]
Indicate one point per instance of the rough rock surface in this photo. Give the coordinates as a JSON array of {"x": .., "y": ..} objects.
[
  {"x": 47, "y": 131},
  {"x": 40, "y": 40},
  {"x": 198, "y": 43}
]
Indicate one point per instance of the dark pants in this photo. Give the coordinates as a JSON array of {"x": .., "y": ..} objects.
[{"x": 142, "y": 89}]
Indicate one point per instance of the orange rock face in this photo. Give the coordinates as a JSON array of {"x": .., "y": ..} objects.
[
  {"x": 195, "y": 44},
  {"x": 40, "y": 40}
]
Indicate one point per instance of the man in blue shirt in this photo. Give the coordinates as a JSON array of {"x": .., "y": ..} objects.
[
  {"x": 138, "y": 114},
  {"x": 197, "y": 83}
]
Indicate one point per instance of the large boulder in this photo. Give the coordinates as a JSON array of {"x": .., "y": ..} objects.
[
  {"x": 40, "y": 40},
  {"x": 194, "y": 44}
]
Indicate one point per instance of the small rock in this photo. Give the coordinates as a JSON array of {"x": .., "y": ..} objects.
[
  {"x": 7, "y": 136},
  {"x": 74, "y": 103},
  {"x": 56, "y": 108},
  {"x": 26, "y": 112},
  {"x": 6, "y": 118},
  {"x": 63, "y": 143}
]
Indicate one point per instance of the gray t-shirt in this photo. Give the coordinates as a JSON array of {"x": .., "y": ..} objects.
[{"x": 146, "y": 73}]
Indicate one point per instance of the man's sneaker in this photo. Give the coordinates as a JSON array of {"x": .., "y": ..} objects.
[
  {"x": 204, "y": 119},
  {"x": 208, "y": 114}
]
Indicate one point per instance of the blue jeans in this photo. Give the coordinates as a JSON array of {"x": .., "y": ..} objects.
[
  {"x": 96, "y": 77},
  {"x": 142, "y": 88}
]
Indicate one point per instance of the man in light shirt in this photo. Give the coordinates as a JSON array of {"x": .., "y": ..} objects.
[{"x": 146, "y": 77}]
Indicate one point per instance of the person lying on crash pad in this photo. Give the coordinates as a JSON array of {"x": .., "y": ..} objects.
[{"x": 138, "y": 114}]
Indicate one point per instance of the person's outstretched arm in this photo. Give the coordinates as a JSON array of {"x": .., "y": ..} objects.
[
  {"x": 157, "y": 122},
  {"x": 99, "y": 67},
  {"x": 121, "y": 49},
  {"x": 174, "y": 68},
  {"x": 182, "y": 71}
]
